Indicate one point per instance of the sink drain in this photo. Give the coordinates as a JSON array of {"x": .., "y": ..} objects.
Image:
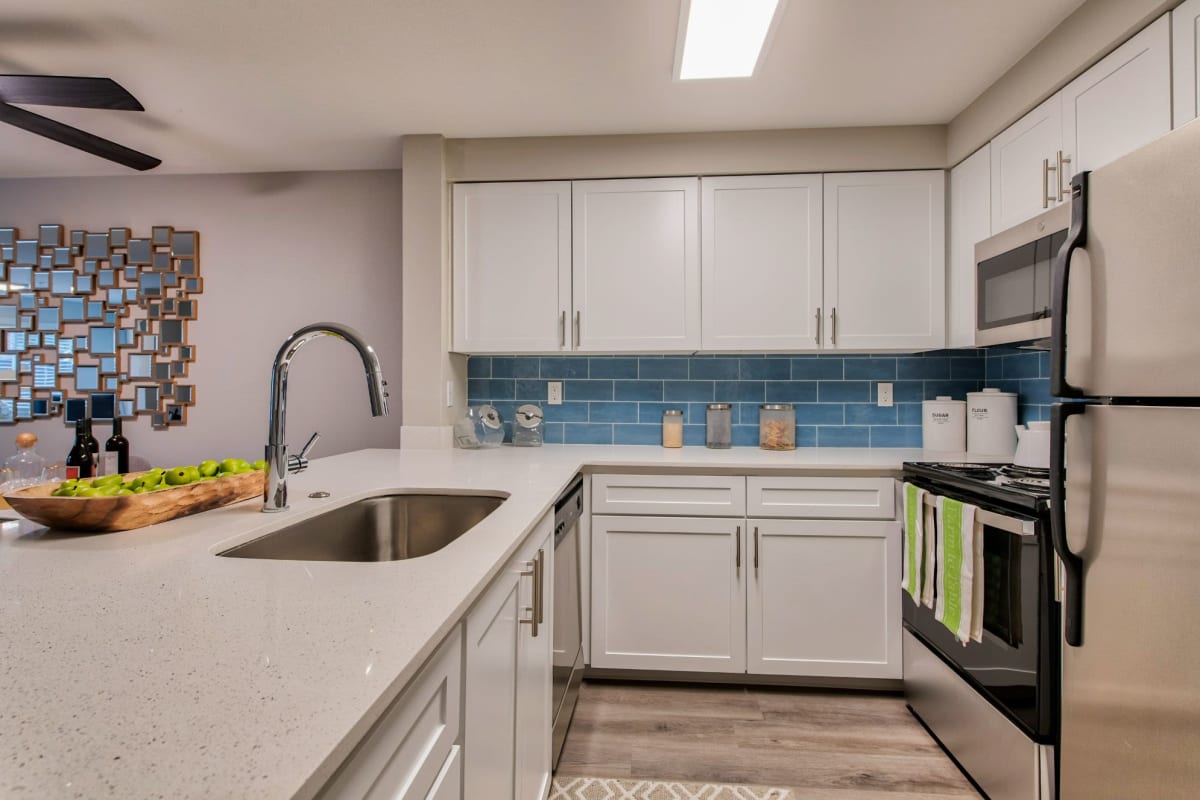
[{"x": 318, "y": 495}]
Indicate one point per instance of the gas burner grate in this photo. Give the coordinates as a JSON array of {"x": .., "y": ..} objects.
[
  {"x": 1014, "y": 471},
  {"x": 964, "y": 467},
  {"x": 1032, "y": 483}
]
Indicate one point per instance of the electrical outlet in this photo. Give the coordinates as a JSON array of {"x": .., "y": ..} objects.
[
  {"x": 554, "y": 393},
  {"x": 885, "y": 395}
]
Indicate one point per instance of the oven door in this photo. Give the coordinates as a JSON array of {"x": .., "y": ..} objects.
[{"x": 1014, "y": 664}]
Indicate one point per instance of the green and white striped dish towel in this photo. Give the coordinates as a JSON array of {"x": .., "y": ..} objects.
[
  {"x": 914, "y": 541},
  {"x": 959, "y": 562}
]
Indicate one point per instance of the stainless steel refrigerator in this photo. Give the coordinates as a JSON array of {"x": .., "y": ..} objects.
[{"x": 1125, "y": 475}]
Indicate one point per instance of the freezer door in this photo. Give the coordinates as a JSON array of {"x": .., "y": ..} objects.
[
  {"x": 1133, "y": 306},
  {"x": 1131, "y": 691}
]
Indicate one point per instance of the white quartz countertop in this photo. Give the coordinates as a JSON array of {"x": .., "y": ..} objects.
[{"x": 139, "y": 664}]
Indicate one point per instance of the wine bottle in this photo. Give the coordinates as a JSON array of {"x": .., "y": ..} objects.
[
  {"x": 116, "y": 451},
  {"x": 93, "y": 445},
  {"x": 80, "y": 463}
]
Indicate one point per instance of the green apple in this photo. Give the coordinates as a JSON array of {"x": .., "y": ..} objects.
[
  {"x": 208, "y": 468},
  {"x": 88, "y": 492},
  {"x": 181, "y": 476},
  {"x": 106, "y": 480},
  {"x": 230, "y": 465},
  {"x": 260, "y": 465}
]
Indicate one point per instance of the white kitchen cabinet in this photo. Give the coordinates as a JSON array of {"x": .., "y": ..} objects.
[
  {"x": 762, "y": 262},
  {"x": 507, "y": 698},
  {"x": 675, "y": 495},
  {"x": 1022, "y": 157},
  {"x": 448, "y": 785},
  {"x": 668, "y": 593},
  {"x": 820, "y": 497},
  {"x": 1185, "y": 60},
  {"x": 534, "y": 663},
  {"x": 636, "y": 263},
  {"x": 885, "y": 260},
  {"x": 970, "y": 223},
  {"x": 512, "y": 266},
  {"x": 1120, "y": 104},
  {"x": 412, "y": 749},
  {"x": 824, "y": 598}
]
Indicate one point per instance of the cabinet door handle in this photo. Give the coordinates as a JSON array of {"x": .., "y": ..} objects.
[
  {"x": 577, "y": 328},
  {"x": 738, "y": 550},
  {"x": 1062, "y": 193},
  {"x": 756, "y": 541},
  {"x": 833, "y": 333},
  {"x": 535, "y": 613},
  {"x": 562, "y": 329},
  {"x": 820, "y": 324},
  {"x": 1048, "y": 198},
  {"x": 540, "y": 587}
]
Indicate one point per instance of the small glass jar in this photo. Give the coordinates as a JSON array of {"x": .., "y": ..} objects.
[
  {"x": 777, "y": 426},
  {"x": 528, "y": 428},
  {"x": 718, "y": 426},
  {"x": 672, "y": 428}
]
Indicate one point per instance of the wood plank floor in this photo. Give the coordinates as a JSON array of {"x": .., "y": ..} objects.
[{"x": 823, "y": 745}]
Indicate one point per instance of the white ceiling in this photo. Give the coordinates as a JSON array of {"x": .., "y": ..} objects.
[{"x": 264, "y": 85}]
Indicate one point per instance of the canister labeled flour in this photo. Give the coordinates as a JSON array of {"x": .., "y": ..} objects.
[
  {"x": 991, "y": 423},
  {"x": 943, "y": 425}
]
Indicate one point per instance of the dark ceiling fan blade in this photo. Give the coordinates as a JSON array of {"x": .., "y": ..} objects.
[
  {"x": 60, "y": 90},
  {"x": 80, "y": 140}
]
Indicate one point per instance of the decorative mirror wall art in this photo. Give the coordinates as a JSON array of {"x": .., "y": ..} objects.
[{"x": 96, "y": 324}]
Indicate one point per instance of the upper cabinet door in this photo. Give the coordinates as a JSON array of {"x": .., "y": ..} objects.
[
  {"x": 1022, "y": 185},
  {"x": 637, "y": 265},
  {"x": 885, "y": 260},
  {"x": 512, "y": 266},
  {"x": 970, "y": 223},
  {"x": 1185, "y": 60},
  {"x": 761, "y": 259},
  {"x": 1120, "y": 104}
]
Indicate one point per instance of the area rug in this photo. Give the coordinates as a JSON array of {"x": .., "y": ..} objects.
[{"x": 633, "y": 789}]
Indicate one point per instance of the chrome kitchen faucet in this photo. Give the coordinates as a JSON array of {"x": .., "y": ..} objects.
[{"x": 279, "y": 463}]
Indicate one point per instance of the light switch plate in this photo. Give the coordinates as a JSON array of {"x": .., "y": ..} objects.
[
  {"x": 885, "y": 395},
  {"x": 554, "y": 393}
]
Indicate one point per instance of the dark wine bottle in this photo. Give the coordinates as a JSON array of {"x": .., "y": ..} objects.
[
  {"x": 116, "y": 448},
  {"x": 80, "y": 463},
  {"x": 92, "y": 442}
]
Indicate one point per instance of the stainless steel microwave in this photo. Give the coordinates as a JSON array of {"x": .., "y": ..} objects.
[{"x": 1013, "y": 276}]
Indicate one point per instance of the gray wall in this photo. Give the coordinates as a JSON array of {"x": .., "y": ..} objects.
[{"x": 277, "y": 251}]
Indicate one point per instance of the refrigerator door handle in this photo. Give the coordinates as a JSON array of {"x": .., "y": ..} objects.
[
  {"x": 1072, "y": 564},
  {"x": 1076, "y": 238}
]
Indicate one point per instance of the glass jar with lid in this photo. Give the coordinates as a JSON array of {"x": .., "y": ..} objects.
[
  {"x": 777, "y": 426},
  {"x": 528, "y": 428},
  {"x": 672, "y": 427},
  {"x": 718, "y": 426}
]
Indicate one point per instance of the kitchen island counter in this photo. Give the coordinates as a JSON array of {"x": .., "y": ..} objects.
[{"x": 141, "y": 664}]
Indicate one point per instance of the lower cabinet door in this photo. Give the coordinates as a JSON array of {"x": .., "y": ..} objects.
[
  {"x": 534, "y": 657},
  {"x": 491, "y": 691},
  {"x": 824, "y": 598},
  {"x": 668, "y": 593},
  {"x": 448, "y": 785}
]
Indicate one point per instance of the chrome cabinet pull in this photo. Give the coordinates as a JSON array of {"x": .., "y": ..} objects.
[
  {"x": 1062, "y": 193},
  {"x": 738, "y": 538},
  {"x": 756, "y": 543},
  {"x": 535, "y": 610},
  {"x": 833, "y": 333},
  {"x": 1048, "y": 198},
  {"x": 540, "y": 588},
  {"x": 562, "y": 329},
  {"x": 820, "y": 324},
  {"x": 577, "y": 329}
]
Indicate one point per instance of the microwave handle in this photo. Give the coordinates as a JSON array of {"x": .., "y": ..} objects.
[
  {"x": 1076, "y": 238},
  {"x": 1071, "y": 562}
]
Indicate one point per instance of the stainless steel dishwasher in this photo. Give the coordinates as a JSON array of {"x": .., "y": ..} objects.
[{"x": 568, "y": 621}]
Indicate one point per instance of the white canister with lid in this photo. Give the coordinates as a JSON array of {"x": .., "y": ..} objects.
[
  {"x": 944, "y": 425},
  {"x": 991, "y": 423}
]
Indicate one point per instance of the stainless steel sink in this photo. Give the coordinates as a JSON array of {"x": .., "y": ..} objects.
[{"x": 385, "y": 528}]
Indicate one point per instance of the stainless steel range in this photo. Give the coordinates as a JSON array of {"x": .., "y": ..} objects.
[{"x": 994, "y": 704}]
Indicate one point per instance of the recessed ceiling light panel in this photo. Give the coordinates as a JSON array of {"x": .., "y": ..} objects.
[{"x": 723, "y": 38}]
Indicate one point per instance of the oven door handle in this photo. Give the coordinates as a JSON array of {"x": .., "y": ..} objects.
[{"x": 1013, "y": 525}]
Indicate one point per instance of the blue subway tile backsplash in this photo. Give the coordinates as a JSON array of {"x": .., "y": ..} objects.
[{"x": 620, "y": 399}]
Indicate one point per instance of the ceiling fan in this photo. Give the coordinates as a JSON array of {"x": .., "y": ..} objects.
[{"x": 58, "y": 90}]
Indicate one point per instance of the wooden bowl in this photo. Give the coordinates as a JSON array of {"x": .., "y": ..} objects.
[{"x": 127, "y": 512}]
